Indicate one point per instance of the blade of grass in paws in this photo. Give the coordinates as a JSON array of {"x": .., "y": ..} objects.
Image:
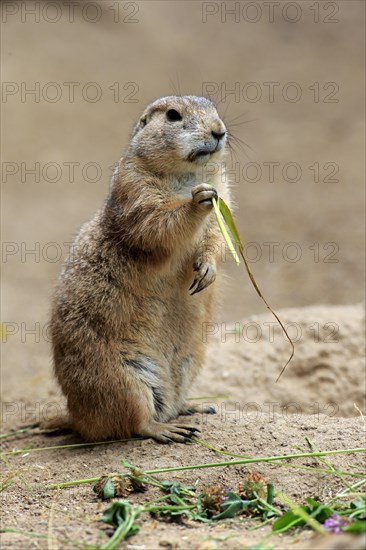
[
  {"x": 221, "y": 206},
  {"x": 224, "y": 232}
]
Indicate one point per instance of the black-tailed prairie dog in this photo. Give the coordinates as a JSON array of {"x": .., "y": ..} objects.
[{"x": 137, "y": 288}]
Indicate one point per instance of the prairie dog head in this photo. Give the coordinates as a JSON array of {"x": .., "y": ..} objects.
[{"x": 178, "y": 134}]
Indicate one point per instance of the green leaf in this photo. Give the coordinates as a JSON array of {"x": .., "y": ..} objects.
[
  {"x": 225, "y": 234},
  {"x": 232, "y": 505},
  {"x": 356, "y": 527},
  {"x": 107, "y": 490},
  {"x": 117, "y": 513},
  {"x": 313, "y": 503},
  {"x": 270, "y": 493},
  {"x": 125, "y": 463},
  {"x": 289, "y": 519},
  {"x": 317, "y": 510},
  {"x": 121, "y": 515},
  {"x": 161, "y": 511},
  {"x": 175, "y": 499},
  {"x": 359, "y": 505},
  {"x": 176, "y": 488},
  {"x": 229, "y": 220},
  {"x": 167, "y": 484}
]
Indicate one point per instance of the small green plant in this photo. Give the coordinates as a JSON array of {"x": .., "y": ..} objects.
[
  {"x": 324, "y": 518},
  {"x": 253, "y": 498},
  {"x": 122, "y": 516}
]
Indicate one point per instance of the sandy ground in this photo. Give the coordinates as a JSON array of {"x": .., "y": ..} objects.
[
  {"x": 28, "y": 505},
  {"x": 299, "y": 194}
]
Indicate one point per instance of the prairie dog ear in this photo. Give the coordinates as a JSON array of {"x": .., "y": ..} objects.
[
  {"x": 144, "y": 120},
  {"x": 141, "y": 124}
]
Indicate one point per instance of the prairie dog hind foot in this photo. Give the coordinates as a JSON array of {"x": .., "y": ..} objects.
[{"x": 169, "y": 433}]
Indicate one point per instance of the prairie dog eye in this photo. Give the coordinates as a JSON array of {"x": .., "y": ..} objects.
[{"x": 172, "y": 115}]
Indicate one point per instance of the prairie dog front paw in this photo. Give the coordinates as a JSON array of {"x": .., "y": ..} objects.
[
  {"x": 205, "y": 276},
  {"x": 203, "y": 194}
]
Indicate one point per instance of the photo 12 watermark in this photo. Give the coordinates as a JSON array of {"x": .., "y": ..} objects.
[
  {"x": 244, "y": 12},
  {"x": 31, "y": 412},
  {"x": 69, "y": 12},
  {"x": 269, "y": 411},
  {"x": 35, "y": 332},
  {"x": 41, "y": 411},
  {"x": 69, "y": 92},
  {"x": 272, "y": 91},
  {"x": 252, "y": 332},
  {"x": 272, "y": 171},
  {"x": 70, "y": 171},
  {"x": 258, "y": 172},
  {"x": 267, "y": 251}
]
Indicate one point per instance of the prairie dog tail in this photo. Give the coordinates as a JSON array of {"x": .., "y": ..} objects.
[{"x": 58, "y": 423}]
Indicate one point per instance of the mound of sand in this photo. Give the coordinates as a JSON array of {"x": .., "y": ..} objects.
[{"x": 326, "y": 375}]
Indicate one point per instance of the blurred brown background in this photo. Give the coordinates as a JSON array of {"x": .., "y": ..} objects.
[{"x": 292, "y": 70}]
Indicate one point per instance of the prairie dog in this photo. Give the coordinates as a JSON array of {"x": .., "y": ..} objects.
[{"x": 137, "y": 287}]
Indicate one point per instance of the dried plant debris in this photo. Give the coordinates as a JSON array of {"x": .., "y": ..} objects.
[
  {"x": 253, "y": 486},
  {"x": 116, "y": 485},
  {"x": 253, "y": 499}
]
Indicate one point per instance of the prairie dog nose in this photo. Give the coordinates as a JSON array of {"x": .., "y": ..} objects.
[{"x": 218, "y": 129}]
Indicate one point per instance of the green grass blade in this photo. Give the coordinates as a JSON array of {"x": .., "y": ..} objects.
[
  {"x": 225, "y": 234},
  {"x": 220, "y": 464},
  {"x": 301, "y": 513},
  {"x": 226, "y": 214}
]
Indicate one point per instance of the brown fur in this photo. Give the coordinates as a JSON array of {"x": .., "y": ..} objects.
[{"x": 126, "y": 331}]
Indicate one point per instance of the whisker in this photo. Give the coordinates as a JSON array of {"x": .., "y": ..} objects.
[
  {"x": 240, "y": 142},
  {"x": 175, "y": 86},
  {"x": 231, "y": 125},
  {"x": 237, "y": 118},
  {"x": 231, "y": 151}
]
